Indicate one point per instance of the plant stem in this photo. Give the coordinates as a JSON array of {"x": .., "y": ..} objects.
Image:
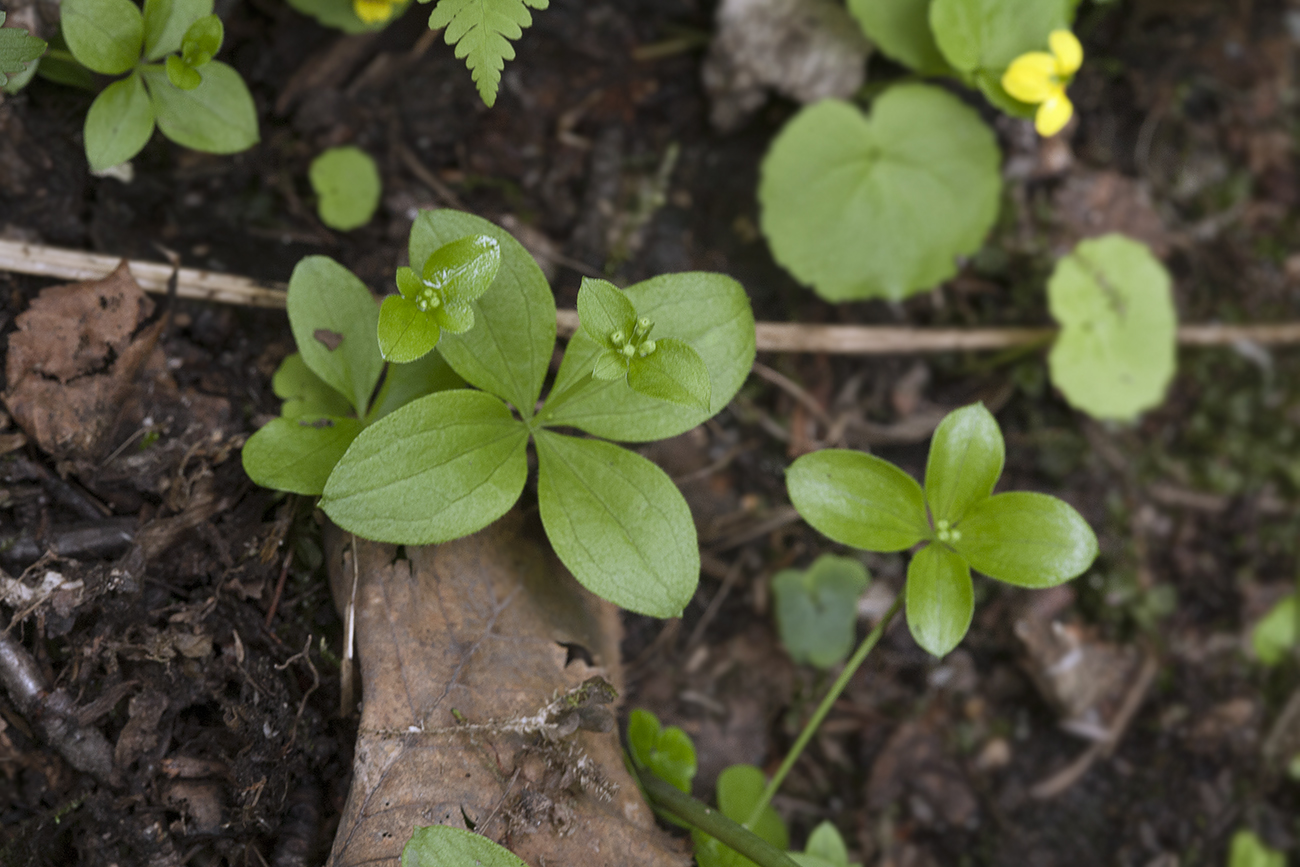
[
  {"x": 815, "y": 721},
  {"x": 672, "y": 800}
]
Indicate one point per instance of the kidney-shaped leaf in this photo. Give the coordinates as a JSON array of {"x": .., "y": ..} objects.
[
  {"x": 439, "y": 468},
  {"x": 940, "y": 599},
  {"x": 445, "y": 846},
  {"x": 1027, "y": 539},
  {"x": 104, "y": 35},
  {"x": 217, "y": 117},
  {"x": 347, "y": 185},
  {"x": 901, "y": 29},
  {"x": 708, "y": 312},
  {"x": 817, "y": 609},
  {"x": 298, "y": 454},
  {"x": 508, "y": 351},
  {"x": 880, "y": 207},
  {"x": 119, "y": 123},
  {"x": 1115, "y": 355},
  {"x": 858, "y": 499},
  {"x": 966, "y": 457},
  {"x": 618, "y": 522}
]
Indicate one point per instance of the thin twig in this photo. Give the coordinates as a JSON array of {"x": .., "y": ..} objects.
[
  {"x": 279, "y": 588},
  {"x": 795, "y": 390}
]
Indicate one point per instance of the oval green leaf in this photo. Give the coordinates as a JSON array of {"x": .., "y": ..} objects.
[
  {"x": 298, "y": 454},
  {"x": 1275, "y": 635},
  {"x": 618, "y": 522},
  {"x": 966, "y": 457},
  {"x": 826, "y": 843},
  {"x": 305, "y": 393},
  {"x": 104, "y": 35},
  {"x": 1247, "y": 850},
  {"x": 464, "y": 269},
  {"x": 444, "y": 846},
  {"x": 901, "y": 29},
  {"x": 604, "y": 311},
  {"x": 165, "y": 23},
  {"x": 1026, "y": 539},
  {"x": 1115, "y": 355},
  {"x": 940, "y": 599},
  {"x": 217, "y": 116},
  {"x": 405, "y": 332},
  {"x": 439, "y": 468},
  {"x": 347, "y": 187},
  {"x": 508, "y": 351},
  {"x": 202, "y": 40},
  {"x": 673, "y": 372},
  {"x": 119, "y": 123},
  {"x": 880, "y": 207},
  {"x": 858, "y": 499}
]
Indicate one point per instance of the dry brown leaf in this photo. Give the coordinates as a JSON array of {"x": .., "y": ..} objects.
[{"x": 484, "y": 625}]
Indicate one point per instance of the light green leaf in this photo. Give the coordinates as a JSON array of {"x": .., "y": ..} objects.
[
  {"x": 986, "y": 35},
  {"x": 444, "y": 846},
  {"x": 480, "y": 30},
  {"x": 202, "y": 41},
  {"x": 404, "y": 383},
  {"x": 803, "y": 859},
  {"x": 216, "y": 117},
  {"x": 826, "y": 843},
  {"x": 305, "y": 393},
  {"x": 464, "y": 269},
  {"x": 1247, "y": 850},
  {"x": 618, "y": 522},
  {"x": 165, "y": 23},
  {"x": 184, "y": 77},
  {"x": 1275, "y": 635},
  {"x": 104, "y": 35},
  {"x": 298, "y": 454},
  {"x": 334, "y": 319},
  {"x": 61, "y": 67},
  {"x": 119, "y": 123},
  {"x": 880, "y": 207},
  {"x": 1115, "y": 355},
  {"x": 901, "y": 29},
  {"x": 858, "y": 499},
  {"x": 739, "y": 789},
  {"x": 347, "y": 187},
  {"x": 672, "y": 371},
  {"x": 966, "y": 457},
  {"x": 605, "y": 313},
  {"x": 940, "y": 599},
  {"x": 508, "y": 351},
  {"x": 668, "y": 753},
  {"x": 342, "y": 15},
  {"x": 710, "y": 312},
  {"x": 439, "y": 468},
  {"x": 817, "y": 609},
  {"x": 1026, "y": 539},
  {"x": 405, "y": 332},
  {"x": 17, "y": 49}
]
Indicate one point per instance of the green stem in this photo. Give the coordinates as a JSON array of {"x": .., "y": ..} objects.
[
  {"x": 814, "y": 722},
  {"x": 680, "y": 805}
]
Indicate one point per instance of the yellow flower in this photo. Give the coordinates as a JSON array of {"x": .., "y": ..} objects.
[
  {"x": 1041, "y": 78},
  {"x": 374, "y": 11}
]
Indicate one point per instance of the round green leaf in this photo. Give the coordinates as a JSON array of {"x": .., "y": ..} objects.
[
  {"x": 217, "y": 116},
  {"x": 672, "y": 372},
  {"x": 858, "y": 499},
  {"x": 901, "y": 29},
  {"x": 508, "y": 351},
  {"x": 298, "y": 454},
  {"x": 940, "y": 599},
  {"x": 1027, "y": 539},
  {"x": 165, "y": 23},
  {"x": 709, "y": 312},
  {"x": 347, "y": 187},
  {"x": 880, "y": 207},
  {"x": 405, "y": 332},
  {"x": 817, "y": 609},
  {"x": 439, "y": 468},
  {"x": 104, "y": 35},
  {"x": 1275, "y": 635},
  {"x": 966, "y": 457},
  {"x": 826, "y": 843},
  {"x": 618, "y": 522},
  {"x": 444, "y": 846},
  {"x": 1115, "y": 354},
  {"x": 305, "y": 393},
  {"x": 668, "y": 753},
  {"x": 986, "y": 35},
  {"x": 739, "y": 789},
  {"x": 119, "y": 123}
]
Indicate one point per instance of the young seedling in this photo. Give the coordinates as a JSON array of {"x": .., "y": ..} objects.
[
  {"x": 347, "y": 186},
  {"x": 668, "y": 753},
  {"x": 817, "y": 609}
]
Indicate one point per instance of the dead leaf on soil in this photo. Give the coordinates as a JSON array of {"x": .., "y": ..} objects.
[
  {"x": 1090, "y": 204},
  {"x": 484, "y": 625}
]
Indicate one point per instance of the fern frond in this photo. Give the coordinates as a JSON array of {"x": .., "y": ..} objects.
[
  {"x": 17, "y": 49},
  {"x": 481, "y": 30}
]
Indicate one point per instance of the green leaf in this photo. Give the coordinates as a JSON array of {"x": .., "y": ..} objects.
[
  {"x": 165, "y": 23},
  {"x": 605, "y": 313},
  {"x": 826, "y": 843},
  {"x": 739, "y": 789},
  {"x": 668, "y": 753},
  {"x": 61, "y": 67},
  {"x": 1247, "y": 850},
  {"x": 817, "y": 609},
  {"x": 202, "y": 41},
  {"x": 17, "y": 49},
  {"x": 508, "y": 352},
  {"x": 1026, "y": 539},
  {"x": 104, "y": 35},
  {"x": 305, "y": 393},
  {"x": 881, "y": 206},
  {"x": 347, "y": 187},
  {"x": 940, "y": 599},
  {"x": 119, "y": 123},
  {"x": 1115, "y": 355},
  {"x": 298, "y": 454},
  {"x": 858, "y": 499},
  {"x": 216, "y": 117},
  {"x": 444, "y": 846},
  {"x": 966, "y": 457},
  {"x": 671, "y": 371},
  {"x": 710, "y": 312},
  {"x": 986, "y": 35},
  {"x": 1275, "y": 635},
  {"x": 405, "y": 382},
  {"x": 405, "y": 332},
  {"x": 480, "y": 30},
  {"x": 901, "y": 29},
  {"x": 341, "y": 14},
  {"x": 439, "y": 468},
  {"x": 334, "y": 319},
  {"x": 460, "y": 272},
  {"x": 180, "y": 75},
  {"x": 618, "y": 522}
]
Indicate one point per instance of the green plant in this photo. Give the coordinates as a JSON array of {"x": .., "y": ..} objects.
[
  {"x": 825, "y": 848},
  {"x": 347, "y": 187},
  {"x": 1247, "y": 850},
  {"x": 481, "y": 30},
  {"x": 18, "y": 49},
  {"x": 816, "y": 609},
  {"x": 668, "y": 753},
  {"x": 194, "y": 100},
  {"x": 1274, "y": 636},
  {"x": 353, "y": 16},
  {"x": 444, "y": 846}
]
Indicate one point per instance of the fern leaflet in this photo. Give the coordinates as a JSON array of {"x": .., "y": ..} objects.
[{"x": 481, "y": 30}]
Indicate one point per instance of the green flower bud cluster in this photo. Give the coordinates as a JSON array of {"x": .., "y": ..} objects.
[
  {"x": 946, "y": 533},
  {"x": 637, "y": 344}
]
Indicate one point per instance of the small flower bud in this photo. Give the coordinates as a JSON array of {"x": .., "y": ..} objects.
[{"x": 629, "y": 350}]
